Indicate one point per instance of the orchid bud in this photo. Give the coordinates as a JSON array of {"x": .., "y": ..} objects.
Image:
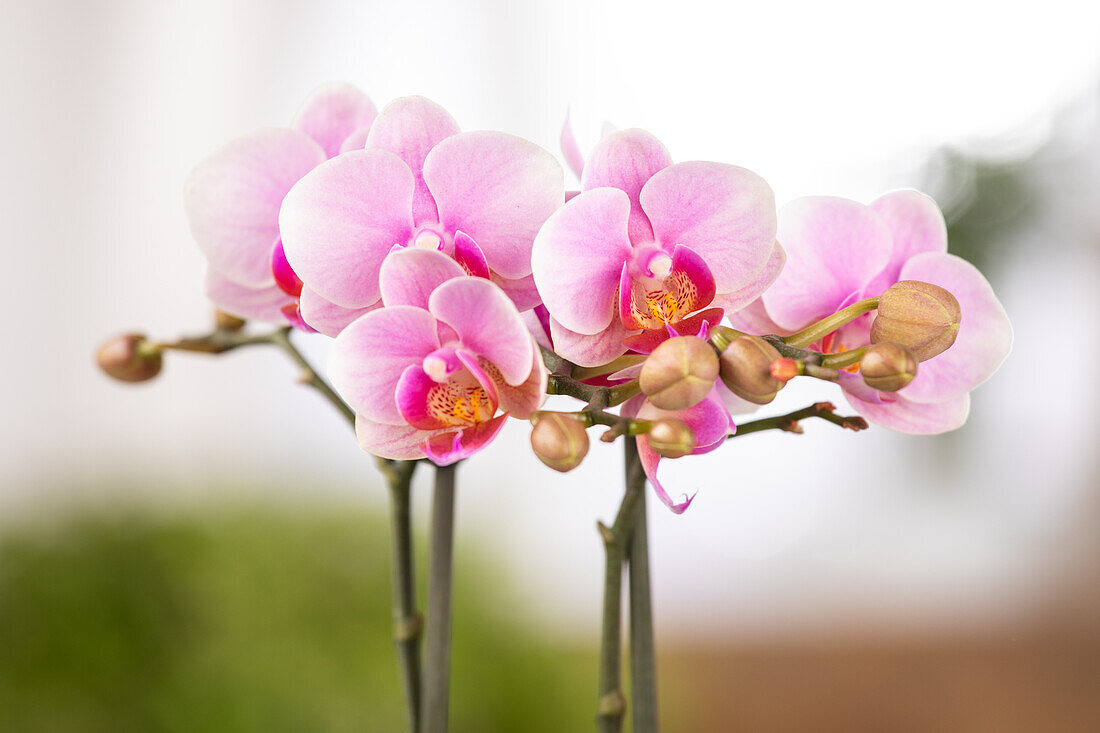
[
  {"x": 746, "y": 369},
  {"x": 227, "y": 322},
  {"x": 129, "y": 358},
  {"x": 920, "y": 316},
  {"x": 559, "y": 441},
  {"x": 785, "y": 369},
  {"x": 671, "y": 438},
  {"x": 679, "y": 373},
  {"x": 888, "y": 367}
]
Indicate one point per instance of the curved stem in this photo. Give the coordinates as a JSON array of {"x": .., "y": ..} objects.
[
  {"x": 309, "y": 376},
  {"x": 789, "y": 422},
  {"x": 643, "y": 658},
  {"x": 610, "y": 368},
  {"x": 611, "y": 702},
  {"x": 817, "y": 331},
  {"x": 437, "y": 668},
  {"x": 407, "y": 622}
]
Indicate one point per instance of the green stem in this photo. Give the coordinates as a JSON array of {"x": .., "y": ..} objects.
[
  {"x": 817, "y": 331},
  {"x": 407, "y": 622},
  {"x": 643, "y": 658},
  {"x": 610, "y": 368},
  {"x": 601, "y": 396},
  {"x": 789, "y": 422},
  {"x": 611, "y": 703},
  {"x": 844, "y": 358},
  {"x": 437, "y": 668}
]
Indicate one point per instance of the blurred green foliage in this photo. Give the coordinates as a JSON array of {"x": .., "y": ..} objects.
[{"x": 250, "y": 620}]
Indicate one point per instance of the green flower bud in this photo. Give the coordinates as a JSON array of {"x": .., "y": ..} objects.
[
  {"x": 746, "y": 369},
  {"x": 129, "y": 358},
  {"x": 679, "y": 373},
  {"x": 671, "y": 438},
  {"x": 888, "y": 367},
  {"x": 559, "y": 440},
  {"x": 920, "y": 316},
  {"x": 227, "y": 321}
]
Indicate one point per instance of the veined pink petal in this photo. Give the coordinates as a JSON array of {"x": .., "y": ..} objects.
[
  {"x": 522, "y": 292},
  {"x": 408, "y": 276},
  {"x": 835, "y": 247},
  {"x": 487, "y": 323},
  {"x": 398, "y": 442},
  {"x": 854, "y": 386},
  {"x": 626, "y": 160},
  {"x": 649, "y": 303},
  {"x": 522, "y": 400},
  {"x": 590, "y": 350},
  {"x": 470, "y": 256},
  {"x": 329, "y": 318},
  {"x": 356, "y": 140},
  {"x": 233, "y": 196},
  {"x": 332, "y": 113},
  {"x": 369, "y": 356},
  {"x": 650, "y": 462},
  {"x": 447, "y": 448},
  {"x": 340, "y": 221},
  {"x": 410, "y": 127},
  {"x": 578, "y": 256},
  {"x": 915, "y": 418},
  {"x": 570, "y": 150},
  {"x": 985, "y": 334},
  {"x": 255, "y": 304},
  {"x": 709, "y": 419},
  {"x": 723, "y": 212},
  {"x": 916, "y": 225},
  {"x": 754, "y": 319},
  {"x": 738, "y": 299},
  {"x": 537, "y": 321},
  {"x": 497, "y": 188}
]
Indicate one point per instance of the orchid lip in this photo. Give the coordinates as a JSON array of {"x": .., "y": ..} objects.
[
  {"x": 285, "y": 277},
  {"x": 650, "y": 261}
]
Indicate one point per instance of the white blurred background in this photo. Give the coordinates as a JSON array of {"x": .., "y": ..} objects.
[{"x": 107, "y": 105}]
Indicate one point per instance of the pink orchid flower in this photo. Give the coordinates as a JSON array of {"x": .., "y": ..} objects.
[
  {"x": 649, "y": 244},
  {"x": 709, "y": 420},
  {"x": 233, "y": 197},
  {"x": 477, "y": 197},
  {"x": 842, "y": 252},
  {"x": 428, "y": 373}
]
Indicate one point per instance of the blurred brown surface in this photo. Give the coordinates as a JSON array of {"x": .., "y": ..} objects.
[{"x": 1042, "y": 680}]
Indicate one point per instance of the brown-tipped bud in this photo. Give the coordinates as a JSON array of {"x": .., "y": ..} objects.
[
  {"x": 671, "y": 438},
  {"x": 786, "y": 369},
  {"x": 679, "y": 373},
  {"x": 920, "y": 316},
  {"x": 227, "y": 322},
  {"x": 745, "y": 367},
  {"x": 129, "y": 358},
  {"x": 888, "y": 367},
  {"x": 559, "y": 441}
]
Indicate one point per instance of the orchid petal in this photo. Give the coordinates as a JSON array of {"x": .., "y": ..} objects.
[
  {"x": 497, "y": 188},
  {"x": 232, "y": 200},
  {"x": 447, "y": 448},
  {"x": 916, "y": 225},
  {"x": 329, "y": 318},
  {"x": 915, "y": 418},
  {"x": 408, "y": 276},
  {"x": 537, "y": 321},
  {"x": 340, "y": 221},
  {"x": 754, "y": 319},
  {"x": 396, "y": 442},
  {"x": 835, "y": 247},
  {"x": 578, "y": 256},
  {"x": 590, "y": 350},
  {"x": 255, "y": 304},
  {"x": 647, "y": 341},
  {"x": 723, "y": 212},
  {"x": 709, "y": 420},
  {"x": 650, "y": 462},
  {"x": 369, "y": 356},
  {"x": 356, "y": 140},
  {"x": 410, "y": 127},
  {"x": 486, "y": 323},
  {"x": 522, "y": 292},
  {"x": 627, "y": 160},
  {"x": 470, "y": 256},
  {"x": 738, "y": 299},
  {"x": 524, "y": 399},
  {"x": 570, "y": 150},
  {"x": 985, "y": 334},
  {"x": 332, "y": 113}
]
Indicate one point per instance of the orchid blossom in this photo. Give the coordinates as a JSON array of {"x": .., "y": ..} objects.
[
  {"x": 233, "y": 198},
  {"x": 437, "y": 371},
  {"x": 841, "y": 252},
  {"x": 647, "y": 245},
  {"x": 477, "y": 197}
]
